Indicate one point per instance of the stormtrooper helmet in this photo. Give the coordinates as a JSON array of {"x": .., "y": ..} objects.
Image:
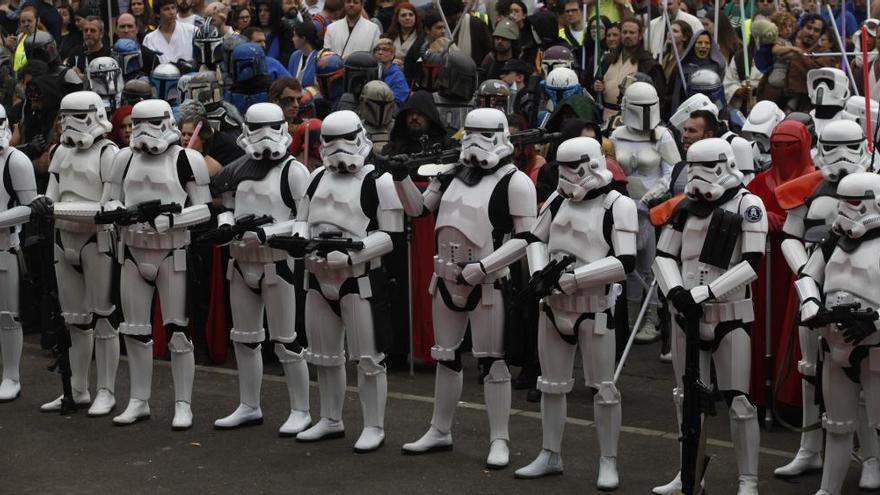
[
  {"x": 83, "y": 119},
  {"x": 827, "y": 87},
  {"x": 699, "y": 101},
  {"x": 105, "y": 77},
  {"x": 377, "y": 104},
  {"x": 641, "y": 107},
  {"x": 758, "y": 127},
  {"x": 711, "y": 170},
  {"x": 582, "y": 167},
  {"x": 344, "y": 143},
  {"x": 858, "y": 208},
  {"x": 153, "y": 127},
  {"x": 855, "y": 110},
  {"x": 265, "y": 135},
  {"x": 560, "y": 84},
  {"x": 486, "y": 138},
  {"x": 5, "y": 132},
  {"x": 842, "y": 150}
]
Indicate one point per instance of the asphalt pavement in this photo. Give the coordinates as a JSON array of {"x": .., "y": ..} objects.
[{"x": 43, "y": 453}]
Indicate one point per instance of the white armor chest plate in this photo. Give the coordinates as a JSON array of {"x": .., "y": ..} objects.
[
  {"x": 577, "y": 230},
  {"x": 854, "y": 277},
  {"x": 693, "y": 237},
  {"x": 463, "y": 227},
  {"x": 79, "y": 173},
  {"x": 153, "y": 177},
  {"x": 336, "y": 205},
  {"x": 262, "y": 197}
]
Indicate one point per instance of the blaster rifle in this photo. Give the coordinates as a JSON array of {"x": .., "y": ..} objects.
[
  {"x": 325, "y": 243},
  {"x": 437, "y": 154},
  {"x": 40, "y": 236},
  {"x": 542, "y": 283},
  {"x": 696, "y": 402},
  {"x": 244, "y": 223},
  {"x": 141, "y": 212},
  {"x": 844, "y": 315}
]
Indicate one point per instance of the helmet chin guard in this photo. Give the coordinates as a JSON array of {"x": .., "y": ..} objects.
[
  {"x": 582, "y": 168},
  {"x": 344, "y": 143},
  {"x": 265, "y": 135},
  {"x": 711, "y": 170},
  {"x": 486, "y": 138},
  {"x": 153, "y": 127}
]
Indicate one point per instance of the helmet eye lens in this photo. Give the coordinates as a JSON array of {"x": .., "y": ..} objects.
[
  {"x": 79, "y": 116},
  {"x": 854, "y": 202},
  {"x": 351, "y": 136},
  {"x": 854, "y": 146}
]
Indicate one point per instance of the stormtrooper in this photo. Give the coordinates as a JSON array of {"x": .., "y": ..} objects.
[
  {"x": 478, "y": 204},
  {"x": 758, "y": 127},
  {"x": 206, "y": 88},
  {"x": 105, "y": 79},
  {"x": 841, "y": 152},
  {"x": 20, "y": 190},
  {"x": 580, "y": 311},
  {"x": 267, "y": 181},
  {"x": 346, "y": 298},
  {"x": 707, "y": 256},
  {"x": 455, "y": 88},
  {"x": 165, "y": 189},
  {"x": 80, "y": 170},
  {"x": 845, "y": 272},
  {"x": 828, "y": 89},
  {"x": 647, "y": 152},
  {"x": 742, "y": 149},
  {"x": 377, "y": 110}
]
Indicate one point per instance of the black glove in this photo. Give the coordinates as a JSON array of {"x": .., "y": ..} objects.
[
  {"x": 855, "y": 333},
  {"x": 398, "y": 170},
  {"x": 224, "y": 234},
  {"x": 41, "y": 207},
  {"x": 684, "y": 303},
  {"x": 35, "y": 147}
]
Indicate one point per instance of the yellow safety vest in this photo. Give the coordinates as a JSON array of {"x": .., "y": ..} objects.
[
  {"x": 563, "y": 33},
  {"x": 481, "y": 16},
  {"x": 19, "y": 59}
]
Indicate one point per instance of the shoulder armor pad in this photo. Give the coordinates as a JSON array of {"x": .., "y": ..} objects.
[
  {"x": 199, "y": 168},
  {"x": 21, "y": 171},
  {"x": 522, "y": 198},
  {"x": 297, "y": 177},
  {"x": 388, "y": 198},
  {"x": 610, "y": 197},
  {"x": 754, "y": 215},
  {"x": 625, "y": 215},
  {"x": 795, "y": 192}
]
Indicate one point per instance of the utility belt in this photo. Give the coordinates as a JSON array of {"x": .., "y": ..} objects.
[
  {"x": 134, "y": 237},
  {"x": 254, "y": 252},
  {"x": 584, "y": 302},
  {"x": 716, "y": 312},
  {"x": 449, "y": 271},
  {"x": 78, "y": 227},
  {"x": 461, "y": 303},
  {"x": 849, "y": 358}
]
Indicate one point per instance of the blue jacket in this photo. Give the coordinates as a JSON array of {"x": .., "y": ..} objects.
[
  {"x": 395, "y": 80},
  {"x": 275, "y": 68},
  {"x": 307, "y": 78}
]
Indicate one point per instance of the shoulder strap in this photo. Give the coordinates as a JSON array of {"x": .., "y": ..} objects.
[
  {"x": 184, "y": 169},
  {"x": 676, "y": 171},
  {"x": 286, "y": 194},
  {"x": 314, "y": 184},
  {"x": 7, "y": 178}
]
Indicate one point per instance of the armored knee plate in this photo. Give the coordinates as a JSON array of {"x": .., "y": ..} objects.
[
  {"x": 369, "y": 366},
  {"x": 608, "y": 395},
  {"x": 742, "y": 409},
  {"x": 9, "y": 320},
  {"x": 498, "y": 371},
  {"x": 180, "y": 344},
  {"x": 287, "y": 354}
]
